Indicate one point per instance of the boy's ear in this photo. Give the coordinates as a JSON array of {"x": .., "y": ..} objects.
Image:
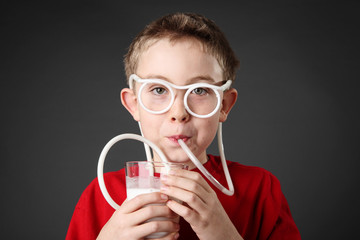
[
  {"x": 228, "y": 102},
  {"x": 129, "y": 101}
]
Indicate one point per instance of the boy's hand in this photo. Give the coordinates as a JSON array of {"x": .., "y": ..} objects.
[
  {"x": 128, "y": 222},
  {"x": 201, "y": 209}
]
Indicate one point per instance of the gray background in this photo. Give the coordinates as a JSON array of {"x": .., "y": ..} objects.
[{"x": 297, "y": 114}]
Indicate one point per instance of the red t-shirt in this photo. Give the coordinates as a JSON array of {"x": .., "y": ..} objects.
[{"x": 258, "y": 208}]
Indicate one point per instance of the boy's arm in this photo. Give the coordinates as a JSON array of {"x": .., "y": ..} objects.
[
  {"x": 277, "y": 220},
  {"x": 86, "y": 222}
]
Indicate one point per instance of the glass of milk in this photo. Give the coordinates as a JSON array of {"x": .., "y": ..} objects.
[{"x": 144, "y": 177}]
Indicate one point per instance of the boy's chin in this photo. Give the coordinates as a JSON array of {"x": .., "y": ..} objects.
[
  {"x": 177, "y": 156},
  {"x": 180, "y": 157}
]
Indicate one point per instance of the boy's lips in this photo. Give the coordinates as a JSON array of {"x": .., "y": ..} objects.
[{"x": 175, "y": 138}]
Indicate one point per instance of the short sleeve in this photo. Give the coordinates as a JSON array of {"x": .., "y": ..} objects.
[
  {"x": 277, "y": 220},
  {"x": 92, "y": 210}
]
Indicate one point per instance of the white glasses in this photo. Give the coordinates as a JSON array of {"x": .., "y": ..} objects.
[{"x": 201, "y": 100}]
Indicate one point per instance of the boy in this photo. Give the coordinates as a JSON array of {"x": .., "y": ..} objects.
[{"x": 184, "y": 49}]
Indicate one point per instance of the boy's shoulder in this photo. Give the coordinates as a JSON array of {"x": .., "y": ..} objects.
[
  {"x": 251, "y": 170},
  {"x": 112, "y": 179},
  {"x": 244, "y": 173},
  {"x": 115, "y": 185},
  {"x": 236, "y": 166}
]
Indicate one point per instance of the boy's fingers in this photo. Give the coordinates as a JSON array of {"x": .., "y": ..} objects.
[
  {"x": 182, "y": 187},
  {"x": 186, "y": 175},
  {"x": 188, "y": 214},
  {"x": 152, "y": 211},
  {"x": 141, "y": 200},
  {"x": 171, "y": 236},
  {"x": 154, "y": 227},
  {"x": 194, "y": 200}
]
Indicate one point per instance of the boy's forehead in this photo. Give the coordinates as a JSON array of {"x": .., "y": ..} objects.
[{"x": 184, "y": 59}]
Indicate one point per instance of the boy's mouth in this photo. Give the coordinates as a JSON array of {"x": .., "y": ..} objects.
[{"x": 175, "y": 138}]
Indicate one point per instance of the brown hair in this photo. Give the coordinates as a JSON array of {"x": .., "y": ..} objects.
[{"x": 182, "y": 25}]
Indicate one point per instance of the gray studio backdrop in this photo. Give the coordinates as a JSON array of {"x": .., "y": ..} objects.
[{"x": 297, "y": 113}]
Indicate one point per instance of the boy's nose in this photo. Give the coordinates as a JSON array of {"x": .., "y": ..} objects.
[{"x": 178, "y": 112}]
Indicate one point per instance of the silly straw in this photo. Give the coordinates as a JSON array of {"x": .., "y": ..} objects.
[
  {"x": 198, "y": 164},
  {"x": 100, "y": 167}
]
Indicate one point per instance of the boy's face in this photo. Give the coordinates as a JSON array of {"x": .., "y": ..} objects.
[{"x": 181, "y": 62}]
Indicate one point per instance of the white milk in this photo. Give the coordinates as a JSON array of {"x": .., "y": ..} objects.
[{"x": 133, "y": 192}]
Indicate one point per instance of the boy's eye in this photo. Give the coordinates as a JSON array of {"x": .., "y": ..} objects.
[
  {"x": 200, "y": 91},
  {"x": 158, "y": 90}
]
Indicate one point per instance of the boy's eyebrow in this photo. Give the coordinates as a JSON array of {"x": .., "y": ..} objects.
[
  {"x": 203, "y": 77},
  {"x": 156, "y": 77},
  {"x": 192, "y": 80}
]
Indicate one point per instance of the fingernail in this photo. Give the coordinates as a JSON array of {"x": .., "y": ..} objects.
[
  {"x": 164, "y": 196},
  {"x": 164, "y": 188},
  {"x": 176, "y": 236}
]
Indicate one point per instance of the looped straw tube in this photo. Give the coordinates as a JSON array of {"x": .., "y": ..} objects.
[
  {"x": 211, "y": 178},
  {"x": 100, "y": 167},
  {"x": 197, "y": 163}
]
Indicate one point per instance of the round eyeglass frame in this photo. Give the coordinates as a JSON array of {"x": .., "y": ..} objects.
[{"x": 170, "y": 86}]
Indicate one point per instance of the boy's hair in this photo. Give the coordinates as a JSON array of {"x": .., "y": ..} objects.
[{"x": 182, "y": 25}]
